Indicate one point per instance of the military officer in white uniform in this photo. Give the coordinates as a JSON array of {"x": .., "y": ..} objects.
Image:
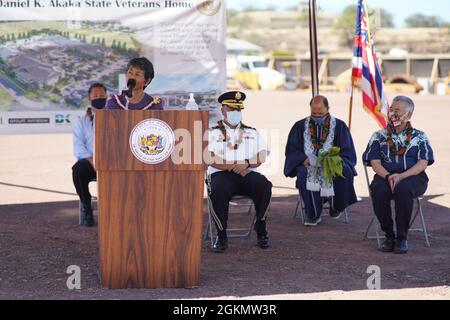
[{"x": 236, "y": 151}]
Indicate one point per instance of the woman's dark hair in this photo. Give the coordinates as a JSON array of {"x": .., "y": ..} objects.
[{"x": 145, "y": 65}]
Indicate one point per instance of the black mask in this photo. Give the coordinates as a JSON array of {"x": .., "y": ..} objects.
[{"x": 99, "y": 103}]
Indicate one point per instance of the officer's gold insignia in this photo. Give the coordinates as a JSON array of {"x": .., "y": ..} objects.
[{"x": 238, "y": 96}]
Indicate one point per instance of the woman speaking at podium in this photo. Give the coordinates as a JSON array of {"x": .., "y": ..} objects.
[{"x": 139, "y": 74}]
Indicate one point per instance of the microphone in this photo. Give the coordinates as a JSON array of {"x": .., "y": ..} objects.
[{"x": 130, "y": 84}]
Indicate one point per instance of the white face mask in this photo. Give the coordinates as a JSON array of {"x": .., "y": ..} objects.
[{"x": 234, "y": 117}]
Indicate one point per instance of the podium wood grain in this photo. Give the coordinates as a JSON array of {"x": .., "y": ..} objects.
[{"x": 150, "y": 216}]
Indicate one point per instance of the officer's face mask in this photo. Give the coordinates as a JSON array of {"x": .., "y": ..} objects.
[
  {"x": 98, "y": 103},
  {"x": 234, "y": 117}
]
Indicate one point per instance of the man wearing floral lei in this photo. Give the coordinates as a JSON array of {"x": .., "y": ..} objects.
[
  {"x": 235, "y": 153},
  {"x": 399, "y": 155},
  {"x": 321, "y": 155}
]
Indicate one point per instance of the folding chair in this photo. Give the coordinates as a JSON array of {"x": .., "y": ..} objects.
[
  {"x": 236, "y": 201},
  {"x": 302, "y": 214},
  {"x": 374, "y": 221}
]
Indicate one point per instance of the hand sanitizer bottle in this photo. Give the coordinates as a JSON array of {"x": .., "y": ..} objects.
[{"x": 191, "y": 105}]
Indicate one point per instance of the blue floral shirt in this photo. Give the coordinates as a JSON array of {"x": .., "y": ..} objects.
[{"x": 419, "y": 148}]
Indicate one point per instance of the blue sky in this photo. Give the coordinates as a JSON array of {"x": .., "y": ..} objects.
[{"x": 400, "y": 9}]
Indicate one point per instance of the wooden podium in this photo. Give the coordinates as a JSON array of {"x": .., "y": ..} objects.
[{"x": 150, "y": 215}]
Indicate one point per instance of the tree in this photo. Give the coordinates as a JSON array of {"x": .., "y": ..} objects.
[
  {"x": 132, "y": 53},
  {"x": 419, "y": 20},
  {"x": 347, "y": 20}
]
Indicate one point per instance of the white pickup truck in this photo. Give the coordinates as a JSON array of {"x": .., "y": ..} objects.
[{"x": 268, "y": 79}]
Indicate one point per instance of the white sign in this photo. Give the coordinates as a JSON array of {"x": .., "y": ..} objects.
[{"x": 51, "y": 51}]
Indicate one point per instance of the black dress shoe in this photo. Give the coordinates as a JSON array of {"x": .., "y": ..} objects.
[
  {"x": 263, "y": 242},
  {"x": 387, "y": 245},
  {"x": 220, "y": 245},
  {"x": 401, "y": 246}
]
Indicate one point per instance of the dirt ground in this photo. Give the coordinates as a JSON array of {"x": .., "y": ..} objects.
[
  {"x": 39, "y": 242},
  {"x": 40, "y": 238}
]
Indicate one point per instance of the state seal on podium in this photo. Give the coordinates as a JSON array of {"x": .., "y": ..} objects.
[{"x": 152, "y": 141}]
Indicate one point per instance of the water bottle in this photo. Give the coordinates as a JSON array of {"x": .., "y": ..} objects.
[{"x": 191, "y": 105}]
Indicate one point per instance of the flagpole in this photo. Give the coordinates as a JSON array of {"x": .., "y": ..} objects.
[
  {"x": 313, "y": 48},
  {"x": 350, "y": 109}
]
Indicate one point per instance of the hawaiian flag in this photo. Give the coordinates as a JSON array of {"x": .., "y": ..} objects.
[{"x": 366, "y": 69}]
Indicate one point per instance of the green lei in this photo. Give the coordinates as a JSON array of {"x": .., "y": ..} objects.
[
  {"x": 332, "y": 164},
  {"x": 392, "y": 147}
]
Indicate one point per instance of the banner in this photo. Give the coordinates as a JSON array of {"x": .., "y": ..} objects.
[{"x": 51, "y": 51}]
